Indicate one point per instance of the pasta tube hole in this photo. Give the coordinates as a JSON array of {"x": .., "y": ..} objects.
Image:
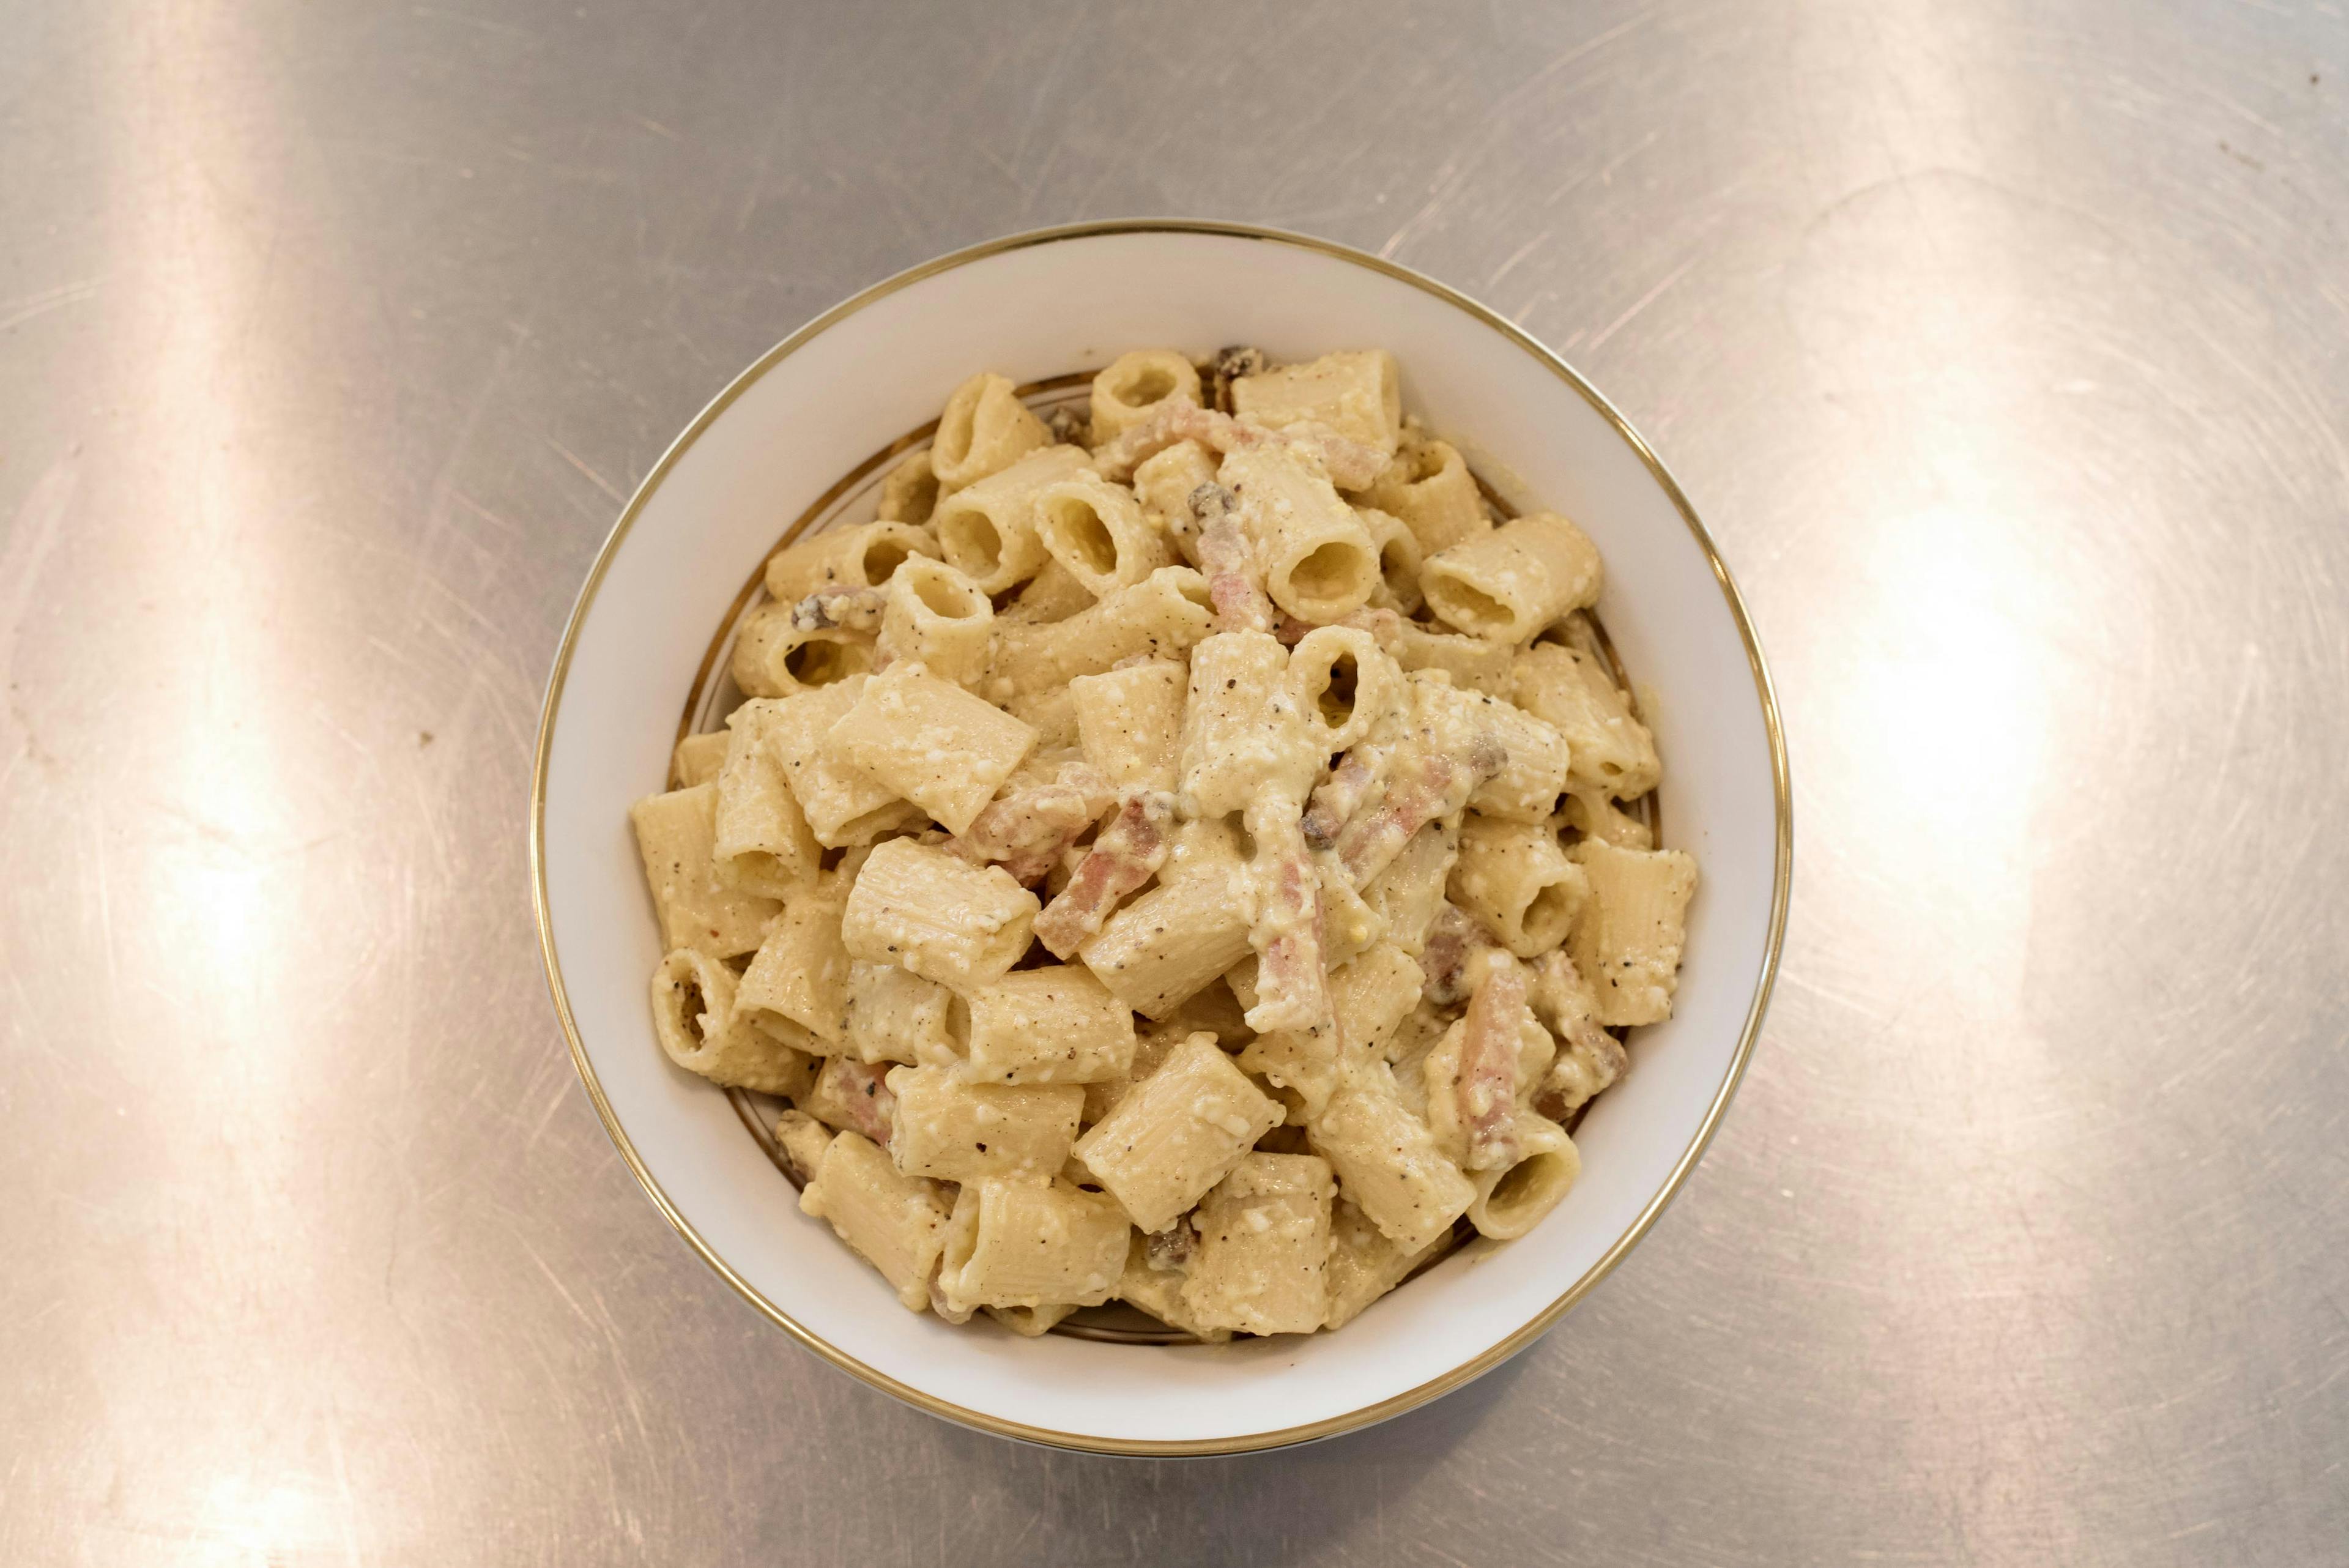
[
  {"x": 1144, "y": 385},
  {"x": 757, "y": 867},
  {"x": 882, "y": 559},
  {"x": 692, "y": 1005},
  {"x": 1133, "y": 385},
  {"x": 1077, "y": 529},
  {"x": 962, "y": 1240},
  {"x": 910, "y": 493},
  {"x": 1529, "y": 1189},
  {"x": 1329, "y": 571},
  {"x": 1028, "y": 1322},
  {"x": 957, "y": 1025},
  {"x": 1336, "y": 698},
  {"x": 972, "y": 543},
  {"x": 1339, "y": 695},
  {"x": 684, "y": 1012},
  {"x": 947, "y": 598},
  {"x": 1550, "y": 913},
  {"x": 1469, "y": 608},
  {"x": 956, "y": 427},
  {"x": 819, "y": 661},
  {"x": 1421, "y": 463},
  {"x": 1399, "y": 568}
]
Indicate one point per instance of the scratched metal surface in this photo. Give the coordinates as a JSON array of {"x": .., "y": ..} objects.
[{"x": 2005, "y": 348}]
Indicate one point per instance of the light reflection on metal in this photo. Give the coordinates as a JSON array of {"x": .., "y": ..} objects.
[{"x": 2022, "y": 1241}]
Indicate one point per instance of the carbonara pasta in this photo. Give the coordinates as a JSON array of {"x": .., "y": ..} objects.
[{"x": 1177, "y": 854}]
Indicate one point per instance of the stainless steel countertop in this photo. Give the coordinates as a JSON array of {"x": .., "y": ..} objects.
[{"x": 2005, "y": 349}]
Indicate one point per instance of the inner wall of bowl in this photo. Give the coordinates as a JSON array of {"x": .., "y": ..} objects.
[{"x": 1030, "y": 314}]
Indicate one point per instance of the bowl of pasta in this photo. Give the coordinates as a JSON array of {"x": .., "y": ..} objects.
[{"x": 1160, "y": 837}]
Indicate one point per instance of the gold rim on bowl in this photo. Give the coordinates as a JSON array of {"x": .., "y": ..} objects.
[{"x": 1540, "y": 1321}]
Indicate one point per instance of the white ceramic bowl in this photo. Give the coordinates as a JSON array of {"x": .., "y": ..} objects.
[{"x": 776, "y": 445}]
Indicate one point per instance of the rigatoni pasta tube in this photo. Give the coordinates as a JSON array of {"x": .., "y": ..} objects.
[
  {"x": 762, "y": 841},
  {"x": 700, "y": 1027},
  {"x": 1591, "y": 815},
  {"x": 801, "y": 972},
  {"x": 852, "y": 1095},
  {"x": 1160, "y": 617},
  {"x": 1264, "y": 1247},
  {"x": 1533, "y": 781},
  {"x": 1135, "y": 383},
  {"x": 1238, "y": 726},
  {"x": 1407, "y": 1055},
  {"x": 942, "y": 919},
  {"x": 1319, "y": 560},
  {"x": 1051, "y": 712},
  {"x": 1057, "y": 1024},
  {"x": 1536, "y": 760},
  {"x": 1589, "y": 1060},
  {"x": 676, "y": 835},
  {"x": 1429, "y": 486},
  {"x": 897, "y": 1223},
  {"x": 929, "y": 742},
  {"x": 1387, "y": 1159},
  {"x": 1399, "y": 558},
  {"x": 863, "y": 556},
  {"x": 1097, "y": 533},
  {"x": 1164, "y": 484},
  {"x": 895, "y": 1016},
  {"x": 987, "y": 532},
  {"x": 1363, "y": 1264},
  {"x": 1473, "y": 1110},
  {"x": 1628, "y": 941},
  {"x": 802, "y": 1142},
  {"x": 1473, "y": 663},
  {"x": 937, "y": 616},
  {"x": 1051, "y": 595},
  {"x": 1159, "y": 1293},
  {"x": 910, "y": 493},
  {"x": 1410, "y": 891},
  {"x": 1372, "y": 993},
  {"x": 1349, "y": 924},
  {"x": 1513, "y": 1200},
  {"x": 1344, "y": 684},
  {"x": 841, "y": 804},
  {"x": 1177, "y": 1133},
  {"x": 1514, "y": 879},
  {"x": 1357, "y": 394},
  {"x": 1026, "y": 1244},
  {"x": 773, "y": 656},
  {"x": 698, "y": 759},
  {"x": 1613, "y": 752},
  {"x": 1129, "y": 723},
  {"x": 950, "y": 1130},
  {"x": 1369, "y": 996},
  {"x": 984, "y": 430},
  {"x": 1171, "y": 943},
  {"x": 1508, "y": 585},
  {"x": 1101, "y": 1094}
]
